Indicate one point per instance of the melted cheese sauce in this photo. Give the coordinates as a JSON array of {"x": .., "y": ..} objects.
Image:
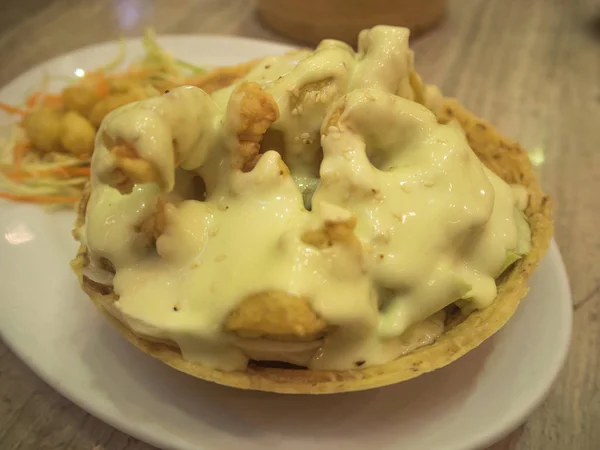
[{"x": 435, "y": 226}]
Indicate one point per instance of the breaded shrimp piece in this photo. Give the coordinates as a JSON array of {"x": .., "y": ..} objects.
[
  {"x": 130, "y": 169},
  {"x": 77, "y": 134},
  {"x": 43, "y": 128},
  {"x": 145, "y": 142},
  {"x": 81, "y": 208},
  {"x": 250, "y": 111},
  {"x": 110, "y": 103},
  {"x": 81, "y": 97},
  {"x": 333, "y": 232},
  {"x": 155, "y": 224},
  {"x": 275, "y": 315}
]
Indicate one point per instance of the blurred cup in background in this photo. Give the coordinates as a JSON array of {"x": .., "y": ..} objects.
[{"x": 310, "y": 21}]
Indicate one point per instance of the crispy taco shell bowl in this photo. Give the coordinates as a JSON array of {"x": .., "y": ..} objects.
[{"x": 463, "y": 332}]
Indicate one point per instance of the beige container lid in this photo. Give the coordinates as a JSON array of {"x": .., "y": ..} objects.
[{"x": 310, "y": 21}]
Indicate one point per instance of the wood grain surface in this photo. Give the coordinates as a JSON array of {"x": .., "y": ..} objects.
[{"x": 531, "y": 67}]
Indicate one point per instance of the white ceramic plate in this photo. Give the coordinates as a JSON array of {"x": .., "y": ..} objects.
[{"x": 55, "y": 329}]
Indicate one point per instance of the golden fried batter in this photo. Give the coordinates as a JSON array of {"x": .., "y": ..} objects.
[
  {"x": 77, "y": 134},
  {"x": 43, "y": 128},
  {"x": 334, "y": 118},
  {"x": 333, "y": 232},
  {"x": 154, "y": 225},
  {"x": 276, "y": 315},
  {"x": 130, "y": 169},
  {"x": 81, "y": 97},
  {"x": 313, "y": 93},
  {"x": 108, "y": 104},
  {"x": 81, "y": 207},
  {"x": 255, "y": 110}
]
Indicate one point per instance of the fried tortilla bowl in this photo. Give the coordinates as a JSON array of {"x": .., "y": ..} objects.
[{"x": 462, "y": 333}]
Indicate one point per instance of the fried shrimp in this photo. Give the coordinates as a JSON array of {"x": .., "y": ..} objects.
[
  {"x": 130, "y": 169},
  {"x": 81, "y": 97},
  {"x": 170, "y": 157},
  {"x": 77, "y": 134},
  {"x": 250, "y": 112},
  {"x": 154, "y": 225},
  {"x": 185, "y": 139},
  {"x": 306, "y": 84},
  {"x": 254, "y": 111},
  {"x": 333, "y": 232},
  {"x": 275, "y": 315},
  {"x": 44, "y": 128},
  {"x": 108, "y": 104}
]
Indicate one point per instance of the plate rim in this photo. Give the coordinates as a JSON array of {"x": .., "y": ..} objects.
[
  {"x": 136, "y": 40},
  {"x": 554, "y": 255}
]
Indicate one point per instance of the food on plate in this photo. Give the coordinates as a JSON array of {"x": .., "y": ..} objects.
[
  {"x": 326, "y": 223},
  {"x": 48, "y": 156}
]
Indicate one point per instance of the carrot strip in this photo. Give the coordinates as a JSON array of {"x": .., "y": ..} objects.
[
  {"x": 65, "y": 172},
  {"x": 59, "y": 171},
  {"x": 39, "y": 198},
  {"x": 17, "y": 175},
  {"x": 52, "y": 100},
  {"x": 33, "y": 99},
  {"x": 18, "y": 152},
  {"x": 102, "y": 88},
  {"x": 10, "y": 109}
]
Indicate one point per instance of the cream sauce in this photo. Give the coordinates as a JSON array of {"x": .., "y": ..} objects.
[
  {"x": 434, "y": 224},
  {"x": 305, "y": 84}
]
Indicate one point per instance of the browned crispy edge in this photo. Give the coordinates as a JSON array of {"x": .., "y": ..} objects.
[{"x": 506, "y": 158}]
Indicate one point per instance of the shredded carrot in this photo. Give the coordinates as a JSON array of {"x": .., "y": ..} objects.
[
  {"x": 18, "y": 151},
  {"x": 102, "y": 88},
  {"x": 10, "y": 109},
  {"x": 65, "y": 172},
  {"x": 33, "y": 99},
  {"x": 59, "y": 171},
  {"x": 52, "y": 99},
  {"x": 79, "y": 171},
  {"x": 39, "y": 198},
  {"x": 17, "y": 175}
]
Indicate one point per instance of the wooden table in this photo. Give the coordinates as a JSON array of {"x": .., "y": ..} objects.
[{"x": 531, "y": 67}]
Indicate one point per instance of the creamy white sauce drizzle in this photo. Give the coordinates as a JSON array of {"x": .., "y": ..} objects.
[{"x": 434, "y": 224}]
